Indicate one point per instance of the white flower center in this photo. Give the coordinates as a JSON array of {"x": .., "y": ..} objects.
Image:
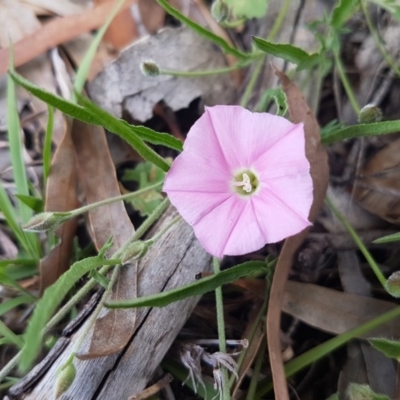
[{"x": 245, "y": 183}]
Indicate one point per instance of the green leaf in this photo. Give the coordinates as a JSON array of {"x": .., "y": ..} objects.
[
  {"x": 248, "y": 9},
  {"x": 48, "y": 139},
  {"x": 357, "y": 391},
  {"x": 395, "y": 237},
  {"x": 127, "y": 131},
  {"x": 8, "y": 305},
  {"x": 278, "y": 96},
  {"x": 288, "y": 52},
  {"x": 146, "y": 174},
  {"x": 52, "y": 298},
  {"x": 342, "y": 12},
  {"x": 374, "y": 129},
  {"x": 9, "y": 335},
  {"x": 199, "y": 287},
  {"x": 200, "y": 30},
  {"x": 32, "y": 202},
  {"x": 390, "y": 348}
]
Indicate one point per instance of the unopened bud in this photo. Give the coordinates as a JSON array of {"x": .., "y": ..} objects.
[
  {"x": 45, "y": 221},
  {"x": 65, "y": 377},
  {"x": 134, "y": 250},
  {"x": 370, "y": 114},
  {"x": 219, "y": 10},
  {"x": 150, "y": 68},
  {"x": 392, "y": 284}
]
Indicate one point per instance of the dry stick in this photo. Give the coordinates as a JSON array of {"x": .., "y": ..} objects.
[{"x": 58, "y": 31}]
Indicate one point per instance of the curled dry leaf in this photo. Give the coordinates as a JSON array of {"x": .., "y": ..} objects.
[
  {"x": 299, "y": 112},
  {"x": 377, "y": 187},
  {"x": 113, "y": 328}
]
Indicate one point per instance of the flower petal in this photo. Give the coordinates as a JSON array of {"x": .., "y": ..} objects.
[
  {"x": 282, "y": 208},
  {"x": 230, "y": 229},
  {"x": 193, "y": 206},
  {"x": 191, "y": 173},
  {"x": 244, "y": 136},
  {"x": 286, "y": 157}
]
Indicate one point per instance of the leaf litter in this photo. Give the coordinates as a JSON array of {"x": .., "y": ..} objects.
[{"x": 335, "y": 292}]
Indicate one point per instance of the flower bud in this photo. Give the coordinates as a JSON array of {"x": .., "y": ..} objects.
[
  {"x": 134, "y": 250},
  {"x": 392, "y": 284},
  {"x": 219, "y": 10},
  {"x": 370, "y": 114},
  {"x": 150, "y": 68},
  {"x": 65, "y": 377},
  {"x": 45, "y": 221}
]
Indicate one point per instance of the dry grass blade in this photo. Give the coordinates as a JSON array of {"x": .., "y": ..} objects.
[
  {"x": 61, "y": 195},
  {"x": 317, "y": 156},
  {"x": 113, "y": 330}
]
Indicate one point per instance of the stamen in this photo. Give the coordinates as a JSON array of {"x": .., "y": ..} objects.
[{"x": 245, "y": 183}]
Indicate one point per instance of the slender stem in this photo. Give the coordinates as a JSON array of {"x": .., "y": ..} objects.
[
  {"x": 162, "y": 231},
  {"x": 346, "y": 83},
  {"x": 257, "y": 70},
  {"x": 221, "y": 331},
  {"x": 388, "y": 58},
  {"x": 358, "y": 241},
  {"x": 256, "y": 372},
  {"x": 110, "y": 200},
  {"x": 193, "y": 74}
]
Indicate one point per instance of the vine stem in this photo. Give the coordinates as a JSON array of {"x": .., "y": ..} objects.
[{"x": 221, "y": 331}]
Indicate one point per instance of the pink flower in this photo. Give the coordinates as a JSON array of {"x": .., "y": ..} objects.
[{"x": 242, "y": 180}]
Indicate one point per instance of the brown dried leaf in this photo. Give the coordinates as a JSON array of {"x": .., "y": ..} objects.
[
  {"x": 377, "y": 188},
  {"x": 55, "y": 32},
  {"x": 299, "y": 112},
  {"x": 337, "y": 312},
  {"x": 153, "y": 15},
  {"x": 61, "y": 195},
  {"x": 115, "y": 36},
  {"x": 113, "y": 328}
]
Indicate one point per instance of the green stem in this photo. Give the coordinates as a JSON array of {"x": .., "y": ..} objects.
[
  {"x": 110, "y": 200},
  {"x": 358, "y": 241},
  {"x": 162, "y": 231},
  {"x": 257, "y": 70},
  {"x": 194, "y": 74},
  {"x": 256, "y": 372},
  {"x": 346, "y": 83},
  {"x": 221, "y": 331},
  {"x": 388, "y": 58}
]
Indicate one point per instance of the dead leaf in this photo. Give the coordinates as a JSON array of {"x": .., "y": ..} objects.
[
  {"x": 299, "y": 112},
  {"x": 122, "y": 86},
  {"x": 16, "y": 22},
  {"x": 59, "y": 7},
  {"x": 152, "y": 14},
  {"x": 377, "y": 188},
  {"x": 55, "y": 32},
  {"x": 61, "y": 195},
  {"x": 113, "y": 328},
  {"x": 115, "y": 36},
  {"x": 365, "y": 365}
]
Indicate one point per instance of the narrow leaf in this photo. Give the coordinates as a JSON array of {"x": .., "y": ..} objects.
[
  {"x": 287, "y": 52},
  {"x": 390, "y": 348},
  {"x": 374, "y": 129},
  {"x": 126, "y": 131},
  {"x": 342, "y": 12},
  {"x": 47, "y": 144},
  {"x": 10, "y": 335},
  {"x": 32, "y": 202},
  {"x": 395, "y": 237},
  {"x": 199, "y": 287},
  {"x": 52, "y": 298},
  {"x": 201, "y": 31}
]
